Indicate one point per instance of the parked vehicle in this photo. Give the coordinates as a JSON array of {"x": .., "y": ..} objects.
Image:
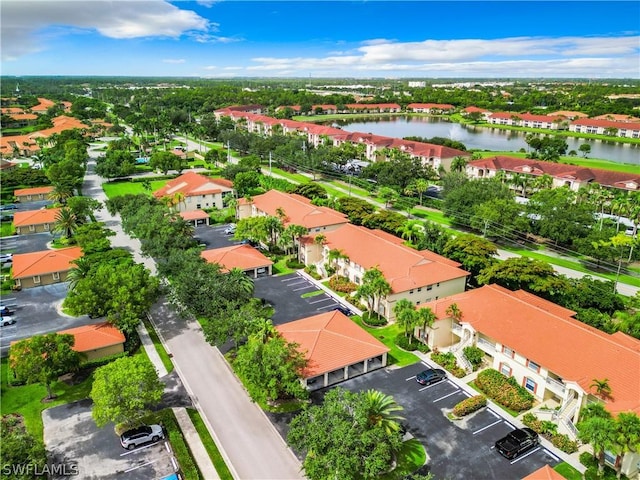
[
  {"x": 430, "y": 376},
  {"x": 6, "y": 257},
  {"x": 7, "y": 207},
  {"x": 343, "y": 309},
  {"x": 5, "y": 311},
  {"x": 4, "y": 321},
  {"x": 230, "y": 230},
  {"x": 139, "y": 436},
  {"x": 7, "y": 217},
  {"x": 516, "y": 442}
]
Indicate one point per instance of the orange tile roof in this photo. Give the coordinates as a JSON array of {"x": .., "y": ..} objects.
[
  {"x": 194, "y": 215},
  {"x": 192, "y": 183},
  {"x": 403, "y": 267},
  {"x": 244, "y": 257},
  {"x": 298, "y": 209},
  {"x": 93, "y": 337},
  {"x": 547, "y": 334},
  {"x": 330, "y": 341},
  {"x": 59, "y": 124},
  {"x": 544, "y": 473},
  {"x": 44, "y": 105},
  {"x": 24, "y": 116},
  {"x": 32, "y": 191},
  {"x": 47, "y": 261},
  {"x": 35, "y": 217}
]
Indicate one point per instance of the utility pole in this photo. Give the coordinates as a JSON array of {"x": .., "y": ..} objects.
[
  {"x": 228, "y": 152},
  {"x": 270, "y": 164}
]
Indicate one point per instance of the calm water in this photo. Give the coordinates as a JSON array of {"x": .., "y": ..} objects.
[{"x": 483, "y": 138}]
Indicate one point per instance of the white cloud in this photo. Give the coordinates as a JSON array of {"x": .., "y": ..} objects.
[
  {"x": 210, "y": 67},
  {"x": 24, "y": 22},
  {"x": 174, "y": 60},
  {"x": 207, "y": 3}
]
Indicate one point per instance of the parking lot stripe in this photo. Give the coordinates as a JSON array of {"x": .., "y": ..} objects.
[
  {"x": 410, "y": 378},
  {"x": 136, "y": 450},
  {"x": 141, "y": 465},
  {"x": 303, "y": 288},
  {"x": 525, "y": 455},
  {"x": 425, "y": 364},
  {"x": 551, "y": 455},
  {"x": 428, "y": 386},
  {"x": 488, "y": 426},
  {"x": 493, "y": 413},
  {"x": 323, "y": 300},
  {"x": 289, "y": 279},
  {"x": 448, "y": 395},
  {"x": 512, "y": 427}
]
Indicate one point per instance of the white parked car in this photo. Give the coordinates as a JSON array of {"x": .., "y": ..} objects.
[{"x": 139, "y": 436}]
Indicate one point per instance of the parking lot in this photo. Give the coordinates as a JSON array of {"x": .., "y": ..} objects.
[
  {"x": 213, "y": 236},
  {"x": 455, "y": 448},
  {"x": 72, "y": 438},
  {"x": 35, "y": 242}
]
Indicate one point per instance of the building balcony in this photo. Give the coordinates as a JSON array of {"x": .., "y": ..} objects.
[
  {"x": 555, "y": 386},
  {"x": 486, "y": 346}
]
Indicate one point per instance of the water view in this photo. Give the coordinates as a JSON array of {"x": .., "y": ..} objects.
[{"x": 482, "y": 138}]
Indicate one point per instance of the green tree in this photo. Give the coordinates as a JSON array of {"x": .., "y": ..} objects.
[
  {"x": 412, "y": 231},
  {"x": 421, "y": 186},
  {"x": 498, "y": 218},
  {"x": 374, "y": 287},
  {"x": 165, "y": 161},
  {"x": 426, "y": 318},
  {"x": 66, "y": 223},
  {"x": 21, "y": 451},
  {"x": 43, "y": 358},
  {"x": 585, "y": 149},
  {"x": 356, "y": 209},
  {"x": 124, "y": 391},
  {"x": 600, "y": 433},
  {"x": 84, "y": 208},
  {"x": 388, "y": 195},
  {"x": 382, "y": 411},
  {"x": 601, "y": 386},
  {"x": 627, "y": 437},
  {"x": 406, "y": 316},
  {"x": 474, "y": 253},
  {"x": 245, "y": 182}
]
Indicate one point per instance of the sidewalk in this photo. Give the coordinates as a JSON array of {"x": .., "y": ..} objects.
[{"x": 200, "y": 455}]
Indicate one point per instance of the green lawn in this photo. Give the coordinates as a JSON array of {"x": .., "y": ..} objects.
[
  {"x": 280, "y": 266},
  {"x": 294, "y": 177},
  {"x": 164, "y": 356},
  {"x": 410, "y": 458},
  {"x": 567, "y": 471},
  {"x": 209, "y": 445},
  {"x": 387, "y": 336},
  {"x": 315, "y": 293},
  {"x": 114, "y": 189},
  {"x": 6, "y": 229}
]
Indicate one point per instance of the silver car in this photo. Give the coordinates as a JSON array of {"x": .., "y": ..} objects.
[{"x": 139, "y": 436}]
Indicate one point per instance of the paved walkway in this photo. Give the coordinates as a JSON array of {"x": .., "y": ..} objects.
[{"x": 196, "y": 446}]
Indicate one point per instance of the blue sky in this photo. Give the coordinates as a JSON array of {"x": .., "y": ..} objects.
[{"x": 392, "y": 39}]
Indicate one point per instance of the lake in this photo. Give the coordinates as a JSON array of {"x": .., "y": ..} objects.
[{"x": 482, "y": 138}]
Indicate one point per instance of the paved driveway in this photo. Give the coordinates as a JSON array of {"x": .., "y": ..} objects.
[
  {"x": 285, "y": 294},
  {"x": 72, "y": 438},
  {"x": 35, "y": 242},
  {"x": 38, "y": 311},
  {"x": 213, "y": 236},
  {"x": 456, "y": 449}
]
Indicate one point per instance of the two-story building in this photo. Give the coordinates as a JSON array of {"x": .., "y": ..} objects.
[
  {"x": 193, "y": 191},
  {"x": 35, "y": 221},
  {"x": 541, "y": 345},
  {"x": 418, "y": 276}
]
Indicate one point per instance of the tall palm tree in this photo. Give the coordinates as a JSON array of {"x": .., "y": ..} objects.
[
  {"x": 426, "y": 318},
  {"x": 406, "y": 316},
  {"x": 242, "y": 280},
  {"x": 454, "y": 312},
  {"x": 600, "y": 433},
  {"x": 334, "y": 256},
  {"x": 79, "y": 272},
  {"x": 411, "y": 231},
  {"x": 459, "y": 163},
  {"x": 66, "y": 223},
  {"x": 381, "y": 411},
  {"x": 627, "y": 437},
  {"x": 60, "y": 193}
]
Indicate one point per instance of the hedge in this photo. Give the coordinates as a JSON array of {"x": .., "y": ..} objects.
[
  {"x": 342, "y": 284},
  {"x": 448, "y": 361},
  {"x": 503, "y": 390},
  {"x": 559, "y": 440},
  {"x": 410, "y": 343},
  {"x": 470, "y": 405}
]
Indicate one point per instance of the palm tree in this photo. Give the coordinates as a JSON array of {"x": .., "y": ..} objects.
[
  {"x": 627, "y": 437},
  {"x": 406, "y": 316},
  {"x": 421, "y": 186},
  {"x": 60, "y": 193},
  {"x": 459, "y": 163},
  {"x": 411, "y": 231},
  {"x": 381, "y": 411},
  {"x": 241, "y": 279},
  {"x": 543, "y": 182},
  {"x": 66, "y": 223},
  {"x": 334, "y": 256},
  {"x": 454, "y": 312},
  {"x": 426, "y": 317},
  {"x": 374, "y": 288},
  {"x": 601, "y": 434},
  {"x": 295, "y": 232},
  {"x": 602, "y": 387},
  {"x": 79, "y": 272}
]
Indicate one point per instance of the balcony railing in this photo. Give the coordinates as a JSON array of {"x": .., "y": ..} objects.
[
  {"x": 555, "y": 386},
  {"x": 486, "y": 345},
  {"x": 457, "y": 329}
]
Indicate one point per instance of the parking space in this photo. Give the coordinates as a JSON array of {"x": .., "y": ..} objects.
[
  {"x": 37, "y": 311},
  {"x": 73, "y": 439},
  {"x": 35, "y": 242},
  {"x": 455, "y": 448},
  {"x": 285, "y": 294},
  {"x": 214, "y": 237}
]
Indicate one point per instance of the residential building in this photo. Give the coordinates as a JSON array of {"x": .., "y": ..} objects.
[
  {"x": 418, "y": 276},
  {"x": 248, "y": 259},
  {"x": 482, "y": 111},
  {"x": 540, "y": 344},
  {"x": 193, "y": 191},
  {"x": 32, "y": 194},
  {"x": 297, "y": 210},
  {"x": 568, "y": 114},
  {"x": 336, "y": 348},
  {"x": 43, "y": 268},
  {"x": 527, "y": 120},
  {"x": 373, "y": 107},
  {"x": 606, "y": 127},
  {"x": 544, "y": 473},
  {"x": 6, "y": 165},
  {"x": 196, "y": 217},
  {"x": 35, "y": 221},
  {"x": 563, "y": 175},
  {"x": 96, "y": 341},
  {"x": 433, "y": 108}
]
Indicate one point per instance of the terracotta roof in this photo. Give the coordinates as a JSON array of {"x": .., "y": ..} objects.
[
  {"x": 362, "y": 106},
  {"x": 24, "y": 116},
  {"x": 472, "y": 109},
  {"x": 298, "y": 209},
  {"x": 544, "y": 473},
  {"x": 93, "y": 337},
  {"x": 435, "y": 106},
  {"x": 526, "y": 116},
  {"x": 47, "y": 261},
  {"x": 44, "y": 105},
  {"x": 11, "y": 110},
  {"x": 330, "y": 341},
  {"x": 569, "y": 114},
  {"x": 32, "y": 191},
  {"x": 403, "y": 267},
  {"x": 244, "y": 257},
  {"x": 194, "y": 215},
  {"x": 604, "y": 123},
  {"x": 607, "y": 178},
  {"x": 549, "y": 335},
  {"x": 192, "y": 183},
  {"x": 617, "y": 117},
  {"x": 35, "y": 217}
]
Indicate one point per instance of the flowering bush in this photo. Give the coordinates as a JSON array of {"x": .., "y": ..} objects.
[
  {"x": 470, "y": 405},
  {"x": 448, "y": 361},
  {"x": 503, "y": 390},
  {"x": 342, "y": 284}
]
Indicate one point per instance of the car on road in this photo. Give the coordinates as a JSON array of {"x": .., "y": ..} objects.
[
  {"x": 7, "y": 217},
  {"x": 6, "y": 257},
  {"x": 516, "y": 442},
  {"x": 7, "y": 207},
  {"x": 140, "y": 436},
  {"x": 10, "y": 320},
  {"x": 344, "y": 310},
  {"x": 430, "y": 376},
  {"x": 230, "y": 230},
  {"x": 5, "y": 311}
]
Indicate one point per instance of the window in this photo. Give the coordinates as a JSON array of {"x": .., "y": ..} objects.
[
  {"x": 429, "y": 287},
  {"x": 505, "y": 369},
  {"x": 533, "y": 366},
  {"x": 32, "y": 228},
  {"x": 418, "y": 302},
  {"x": 46, "y": 226},
  {"x": 56, "y": 275},
  {"x": 198, "y": 205},
  {"x": 36, "y": 279},
  {"x": 507, "y": 351},
  {"x": 530, "y": 385},
  {"x": 420, "y": 289},
  {"x": 410, "y": 292}
]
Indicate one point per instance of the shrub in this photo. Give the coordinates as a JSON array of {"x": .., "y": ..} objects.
[
  {"x": 474, "y": 355},
  {"x": 313, "y": 271},
  {"x": 373, "y": 320},
  {"x": 548, "y": 429},
  {"x": 503, "y": 390},
  {"x": 294, "y": 264},
  {"x": 564, "y": 443},
  {"x": 342, "y": 284},
  {"x": 448, "y": 361},
  {"x": 533, "y": 422},
  {"x": 410, "y": 343},
  {"x": 470, "y": 405}
]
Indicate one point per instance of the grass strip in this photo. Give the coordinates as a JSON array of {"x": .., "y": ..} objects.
[
  {"x": 387, "y": 335},
  {"x": 188, "y": 466},
  {"x": 164, "y": 356},
  {"x": 315, "y": 293},
  {"x": 411, "y": 457},
  {"x": 210, "y": 445},
  {"x": 116, "y": 189},
  {"x": 567, "y": 471}
]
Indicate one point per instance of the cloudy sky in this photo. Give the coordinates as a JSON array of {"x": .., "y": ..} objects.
[{"x": 233, "y": 38}]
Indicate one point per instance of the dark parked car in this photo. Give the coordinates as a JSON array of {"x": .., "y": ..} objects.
[
  {"x": 139, "y": 436},
  {"x": 7, "y": 207},
  {"x": 516, "y": 442},
  {"x": 431, "y": 375},
  {"x": 343, "y": 309},
  {"x": 5, "y": 311}
]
